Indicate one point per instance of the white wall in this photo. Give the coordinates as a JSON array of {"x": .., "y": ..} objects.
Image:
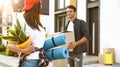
[
  {"x": 51, "y": 16},
  {"x": 81, "y": 9},
  {"x": 110, "y": 25}
]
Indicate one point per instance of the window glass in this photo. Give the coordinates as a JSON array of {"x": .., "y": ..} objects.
[
  {"x": 60, "y": 4},
  {"x": 60, "y": 23},
  {"x": 67, "y": 2},
  {"x": 92, "y": 0}
]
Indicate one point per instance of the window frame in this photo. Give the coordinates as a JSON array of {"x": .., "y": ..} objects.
[{"x": 57, "y": 4}]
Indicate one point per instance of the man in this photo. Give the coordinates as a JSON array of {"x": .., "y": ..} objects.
[{"x": 81, "y": 36}]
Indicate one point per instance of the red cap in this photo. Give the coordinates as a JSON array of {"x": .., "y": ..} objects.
[{"x": 29, "y": 4}]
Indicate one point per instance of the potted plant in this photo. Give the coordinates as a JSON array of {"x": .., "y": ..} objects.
[{"x": 17, "y": 35}]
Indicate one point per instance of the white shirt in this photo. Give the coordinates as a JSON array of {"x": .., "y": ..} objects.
[
  {"x": 38, "y": 38},
  {"x": 70, "y": 26}
]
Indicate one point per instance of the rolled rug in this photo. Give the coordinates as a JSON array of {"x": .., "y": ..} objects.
[
  {"x": 59, "y": 53},
  {"x": 54, "y": 41}
]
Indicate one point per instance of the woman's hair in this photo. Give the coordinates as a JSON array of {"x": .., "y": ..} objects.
[{"x": 32, "y": 17}]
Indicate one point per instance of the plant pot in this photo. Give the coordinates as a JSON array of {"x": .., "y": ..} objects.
[{"x": 24, "y": 44}]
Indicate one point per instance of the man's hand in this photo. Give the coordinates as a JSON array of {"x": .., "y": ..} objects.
[{"x": 71, "y": 45}]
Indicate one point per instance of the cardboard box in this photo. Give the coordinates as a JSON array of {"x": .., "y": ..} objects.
[
  {"x": 69, "y": 38},
  {"x": 101, "y": 58},
  {"x": 68, "y": 35},
  {"x": 52, "y": 35},
  {"x": 60, "y": 63},
  {"x": 111, "y": 50}
]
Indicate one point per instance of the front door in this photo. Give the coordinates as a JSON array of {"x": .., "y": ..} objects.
[{"x": 93, "y": 48}]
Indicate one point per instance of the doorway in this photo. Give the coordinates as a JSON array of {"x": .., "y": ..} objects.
[{"x": 93, "y": 21}]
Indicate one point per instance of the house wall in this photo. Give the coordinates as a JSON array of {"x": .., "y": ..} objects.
[
  {"x": 110, "y": 25},
  {"x": 109, "y": 22},
  {"x": 51, "y": 16},
  {"x": 73, "y": 2},
  {"x": 81, "y": 9}
]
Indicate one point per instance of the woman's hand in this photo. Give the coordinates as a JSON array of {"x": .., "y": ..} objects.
[
  {"x": 12, "y": 46},
  {"x": 29, "y": 48}
]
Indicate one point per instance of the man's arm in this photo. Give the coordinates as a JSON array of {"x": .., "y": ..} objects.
[{"x": 84, "y": 30}]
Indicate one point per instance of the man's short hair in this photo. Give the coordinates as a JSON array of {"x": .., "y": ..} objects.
[{"x": 72, "y": 7}]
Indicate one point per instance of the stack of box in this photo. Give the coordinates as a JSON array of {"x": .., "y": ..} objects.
[
  {"x": 108, "y": 56},
  {"x": 69, "y": 38}
]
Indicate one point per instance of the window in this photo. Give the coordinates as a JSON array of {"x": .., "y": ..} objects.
[
  {"x": 60, "y": 15},
  {"x": 67, "y": 2},
  {"x": 61, "y": 4},
  {"x": 45, "y": 7},
  {"x": 61, "y": 21},
  {"x": 93, "y": 0},
  {"x": 18, "y": 6}
]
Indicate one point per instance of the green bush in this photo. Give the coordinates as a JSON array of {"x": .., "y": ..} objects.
[
  {"x": 11, "y": 53},
  {"x": 2, "y": 47}
]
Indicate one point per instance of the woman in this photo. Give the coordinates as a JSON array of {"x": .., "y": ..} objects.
[{"x": 36, "y": 32}]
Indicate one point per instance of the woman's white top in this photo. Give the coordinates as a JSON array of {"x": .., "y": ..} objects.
[
  {"x": 70, "y": 26},
  {"x": 38, "y": 38}
]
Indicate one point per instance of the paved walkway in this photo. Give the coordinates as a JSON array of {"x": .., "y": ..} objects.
[
  {"x": 92, "y": 61},
  {"x": 101, "y": 65},
  {"x": 89, "y": 61},
  {"x": 4, "y": 65},
  {"x": 8, "y": 61}
]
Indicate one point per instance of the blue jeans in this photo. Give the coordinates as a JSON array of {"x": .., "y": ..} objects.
[
  {"x": 30, "y": 63},
  {"x": 74, "y": 63}
]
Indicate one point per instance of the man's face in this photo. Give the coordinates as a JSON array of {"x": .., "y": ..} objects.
[{"x": 70, "y": 13}]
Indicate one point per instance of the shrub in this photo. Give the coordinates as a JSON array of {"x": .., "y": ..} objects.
[
  {"x": 2, "y": 47},
  {"x": 11, "y": 53}
]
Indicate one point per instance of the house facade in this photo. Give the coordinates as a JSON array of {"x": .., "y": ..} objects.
[{"x": 102, "y": 17}]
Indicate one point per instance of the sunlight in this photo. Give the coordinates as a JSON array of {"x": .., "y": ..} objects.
[
  {"x": 2, "y": 2},
  {"x": 6, "y": 4}
]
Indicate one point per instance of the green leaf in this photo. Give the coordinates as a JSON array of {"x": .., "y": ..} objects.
[
  {"x": 18, "y": 23},
  {"x": 12, "y": 32},
  {"x": 10, "y": 38},
  {"x": 1, "y": 35},
  {"x": 22, "y": 36},
  {"x": 24, "y": 27},
  {"x": 17, "y": 34},
  {"x": 17, "y": 29}
]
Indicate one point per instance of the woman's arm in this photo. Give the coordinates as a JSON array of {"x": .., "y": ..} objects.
[{"x": 12, "y": 46}]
